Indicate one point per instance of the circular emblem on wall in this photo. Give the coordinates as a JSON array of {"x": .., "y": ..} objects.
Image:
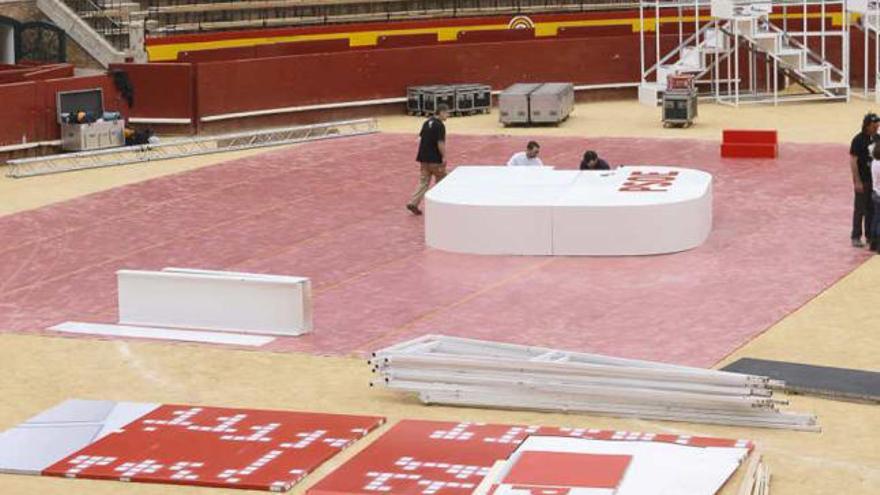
[{"x": 521, "y": 22}]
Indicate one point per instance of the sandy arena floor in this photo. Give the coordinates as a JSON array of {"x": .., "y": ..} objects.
[{"x": 837, "y": 328}]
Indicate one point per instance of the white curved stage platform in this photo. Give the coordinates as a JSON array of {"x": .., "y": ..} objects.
[{"x": 542, "y": 211}]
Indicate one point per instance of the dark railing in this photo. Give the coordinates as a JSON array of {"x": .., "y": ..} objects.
[
  {"x": 103, "y": 17},
  {"x": 178, "y": 16},
  {"x": 109, "y": 17}
]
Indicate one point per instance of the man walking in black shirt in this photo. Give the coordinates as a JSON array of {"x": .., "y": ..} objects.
[
  {"x": 431, "y": 156},
  {"x": 860, "y": 166}
]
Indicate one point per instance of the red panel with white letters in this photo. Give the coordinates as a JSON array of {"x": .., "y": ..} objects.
[
  {"x": 219, "y": 447},
  {"x": 446, "y": 458}
]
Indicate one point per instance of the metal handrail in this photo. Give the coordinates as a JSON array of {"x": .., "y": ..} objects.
[
  {"x": 678, "y": 49},
  {"x": 800, "y": 79},
  {"x": 103, "y": 24},
  {"x": 810, "y": 53}
]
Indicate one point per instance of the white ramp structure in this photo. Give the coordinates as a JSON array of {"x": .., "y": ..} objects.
[
  {"x": 637, "y": 210},
  {"x": 215, "y": 300}
]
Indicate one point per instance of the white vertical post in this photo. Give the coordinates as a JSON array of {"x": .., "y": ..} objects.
[
  {"x": 845, "y": 48},
  {"x": 775, "y": 82},
  {"x": 681, "y": 26},
  {"x": 804, "y": 24},
  {"x": 867, "y": 51},
  {"x": 657, "y": 37},
  {"x": 736, "y": 63},
  {"x": 785, "y": 17},
  {"x": 822, "y": 28},
  {"x": 642, "y": 39},
  {"x": 715, "y": 70},
  {"x": 752, "y": 77}
]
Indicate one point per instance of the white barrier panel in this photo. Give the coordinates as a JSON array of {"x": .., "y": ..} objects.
[
  {"x": 542, "y": 211},
  {"x": 215, "y": 300}
]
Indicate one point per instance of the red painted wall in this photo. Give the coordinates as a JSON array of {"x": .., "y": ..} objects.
[
  {"x": 301, "y": 47},
  {"x": 274, "y": 50},
  {"x": 217, "y": 54},
  {"x": 20, "y": 113},
  {"x": 161, "y": 90},
  {"x": 242, "y": 85},
  {"x": 30, "y": 108},
  {"x": 12, "y": 73},
  {"x": 401, "y": 40},
  {"x": 495, "y": 35}
]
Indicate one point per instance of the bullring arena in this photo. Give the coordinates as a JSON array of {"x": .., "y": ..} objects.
[{"x": 775, "y": 277}]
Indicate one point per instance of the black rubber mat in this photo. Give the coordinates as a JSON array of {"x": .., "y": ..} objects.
[{"x": 823, "y": 381}]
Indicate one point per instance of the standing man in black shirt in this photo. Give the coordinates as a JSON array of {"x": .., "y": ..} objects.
[
  {"x": 432, "y": 155},
  {"x": 860, "y": 166}
]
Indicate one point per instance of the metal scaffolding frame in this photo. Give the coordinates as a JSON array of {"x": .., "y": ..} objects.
[
  {"x": 868, "y": 12},
  {"x": 725, "y": 30},
  {"x": 68, "y": 162}
]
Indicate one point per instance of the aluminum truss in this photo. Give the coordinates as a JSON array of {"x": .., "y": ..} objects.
[
  {"x": 68, "y": 162},
  {"x": 467, "y": 372}
]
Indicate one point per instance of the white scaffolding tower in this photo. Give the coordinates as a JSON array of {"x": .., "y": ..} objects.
[
  {"x": 746, "y": 51},
  {"x": 868, "y": 12}
]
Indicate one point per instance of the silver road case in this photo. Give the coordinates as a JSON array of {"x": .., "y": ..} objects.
[
  {"x": 551, "y": 103},
  {"x": 513, "y": 103}
]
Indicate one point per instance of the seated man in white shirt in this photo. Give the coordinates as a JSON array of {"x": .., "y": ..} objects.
[{"x": 529, "y": 157}]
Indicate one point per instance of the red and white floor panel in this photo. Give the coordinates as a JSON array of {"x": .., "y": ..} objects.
[
  {"x": 443, "y": 458},
  {"x": 187, "y": 445}
]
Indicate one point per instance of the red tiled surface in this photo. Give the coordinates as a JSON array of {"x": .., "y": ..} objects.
[
  {"x": 445, "y": 458},
  {"x": 219, "y": 447},
  {"x": 333, "y": 211}
]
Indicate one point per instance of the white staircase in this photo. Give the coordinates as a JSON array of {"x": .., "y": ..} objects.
[
  {"x": 808, "y": 68},
  {"x": 694, "y": 56},
  {"x": 745, "y": 25},
  {"x": 94, "y": 43}
]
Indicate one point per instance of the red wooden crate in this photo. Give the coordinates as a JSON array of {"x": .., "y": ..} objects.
[
  {"x": 749, "y": 136},
  {"x": 748, "y": 150}
]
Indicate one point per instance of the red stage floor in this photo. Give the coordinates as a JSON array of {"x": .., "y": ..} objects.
[
  {"x": 219, "y": 447},
  {"x": 444, "y": 458},
  {"x": 333, "y": 211}
]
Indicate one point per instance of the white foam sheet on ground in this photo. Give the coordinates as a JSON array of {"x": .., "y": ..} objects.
[
  {"x": 54, "y": 434},
  {"x": 541, "y": 211},
  {"x": 28, "y": 450},
  {"x": 215, "y": 300},
  {"x": 657, "y": 468},
  {"x": 108, "y": 330}
]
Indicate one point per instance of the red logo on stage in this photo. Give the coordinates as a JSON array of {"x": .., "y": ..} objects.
[{"x": 648, "y": 181}]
